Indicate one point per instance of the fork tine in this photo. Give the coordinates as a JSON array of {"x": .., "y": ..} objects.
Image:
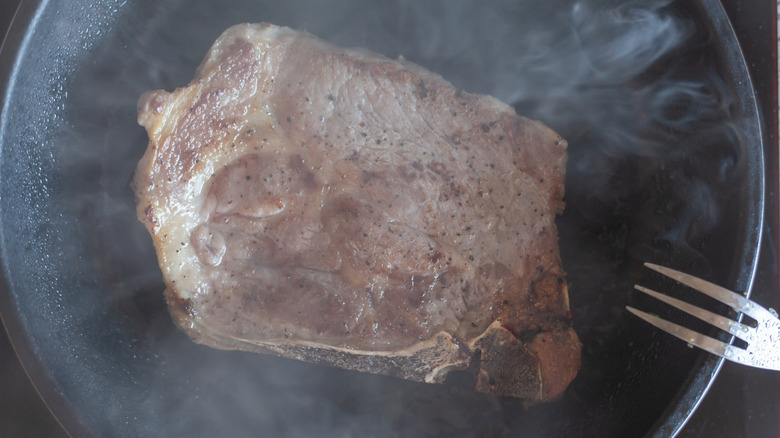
[
  {"x": 725, "y": 296},
  {"x": 706, "y": 343},
  {"x": 739, "y": 330}
]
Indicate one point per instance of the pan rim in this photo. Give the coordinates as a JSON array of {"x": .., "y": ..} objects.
[
  {"x": 13, "y": 47},
  {"x": 672, "y": 422}
]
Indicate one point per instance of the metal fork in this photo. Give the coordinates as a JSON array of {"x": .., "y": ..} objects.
[{"x": 763, "y": 340}]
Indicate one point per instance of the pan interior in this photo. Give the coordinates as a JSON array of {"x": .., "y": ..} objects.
[{"x": 665, "y": 166}]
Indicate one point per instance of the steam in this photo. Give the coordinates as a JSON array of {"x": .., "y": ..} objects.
[
  {"x": 623, "y": 82},
  {"x": 552, "y": 54},
  {"x": 623, "y": 42}
]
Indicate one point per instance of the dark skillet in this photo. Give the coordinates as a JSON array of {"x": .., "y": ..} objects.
[{"x": 665, "y": 165}]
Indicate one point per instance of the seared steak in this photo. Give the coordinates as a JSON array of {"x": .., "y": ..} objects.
[{"x": 339, "y": 207}]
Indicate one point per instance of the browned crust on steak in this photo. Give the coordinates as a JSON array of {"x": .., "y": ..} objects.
[{"x": 520, "y": 345}]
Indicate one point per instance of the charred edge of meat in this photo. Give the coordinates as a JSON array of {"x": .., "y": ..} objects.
[
  {"x": 180, "y": 307},
  {"x": 537, "y": 370},
  {"x": 149, "y": 215}
]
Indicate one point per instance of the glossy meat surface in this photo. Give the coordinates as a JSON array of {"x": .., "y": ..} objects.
[{"x": 336, "y": 206}]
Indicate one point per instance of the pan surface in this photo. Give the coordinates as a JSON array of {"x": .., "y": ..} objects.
[{"x": 665, "y": 166}]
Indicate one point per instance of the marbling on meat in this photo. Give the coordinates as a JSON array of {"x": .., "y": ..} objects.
[{"x": 336, "y": 206}]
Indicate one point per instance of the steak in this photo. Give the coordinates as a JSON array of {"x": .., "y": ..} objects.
[{"x": 340, "y": 207}]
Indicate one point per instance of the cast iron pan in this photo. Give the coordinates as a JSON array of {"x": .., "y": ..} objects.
[{"x": 665, "y": 166}]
